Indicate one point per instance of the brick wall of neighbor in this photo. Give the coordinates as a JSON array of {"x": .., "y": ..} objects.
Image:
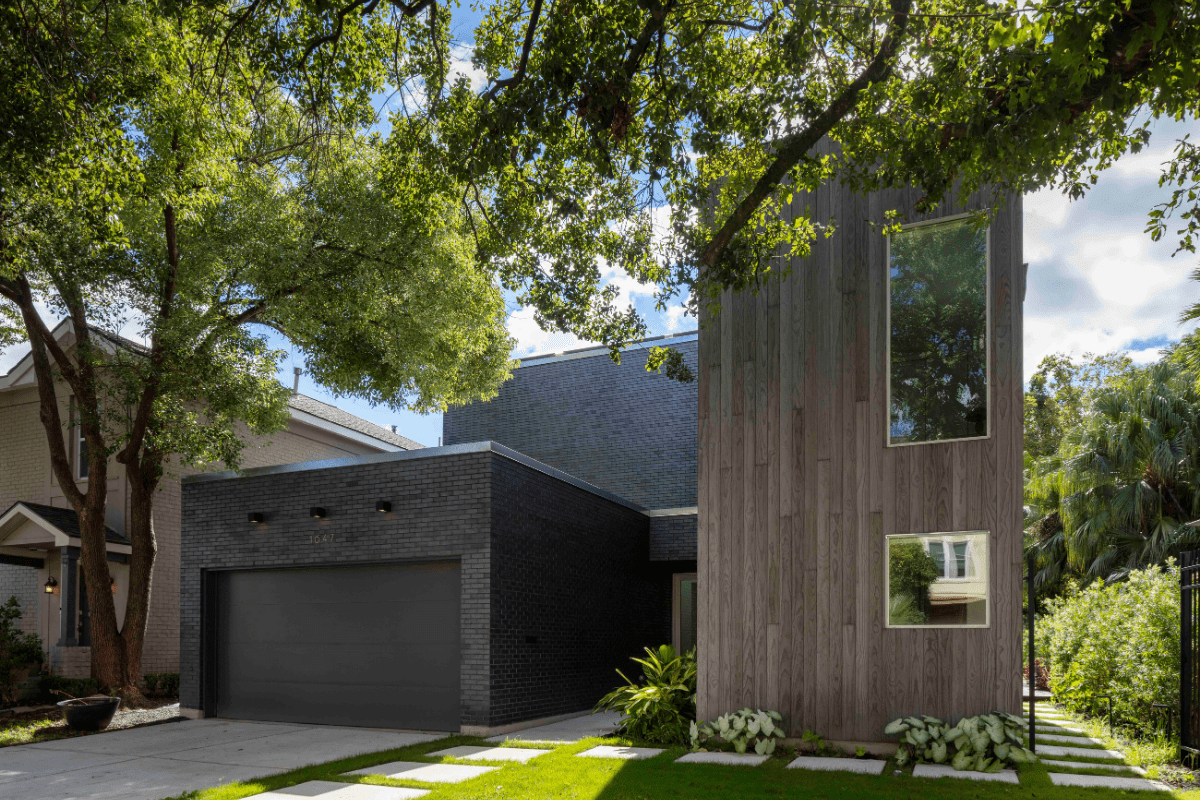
[
  {"x": 22, "y": 583},
  {"x": 619, "y": 427},
  {"x": 439, "y": 510},
  {"x": 573, "y": 595}
]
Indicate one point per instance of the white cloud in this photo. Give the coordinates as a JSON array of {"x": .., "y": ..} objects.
[{"x": 460, "y": 64}]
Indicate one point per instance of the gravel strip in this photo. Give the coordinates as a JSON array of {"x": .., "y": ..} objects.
[{"x": 133, "y": 718}]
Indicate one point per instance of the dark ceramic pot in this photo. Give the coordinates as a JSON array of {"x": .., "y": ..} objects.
[{"x": 90, "y": 713}]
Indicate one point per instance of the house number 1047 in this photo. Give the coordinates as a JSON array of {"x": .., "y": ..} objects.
[{"x": 320, "y": 538}]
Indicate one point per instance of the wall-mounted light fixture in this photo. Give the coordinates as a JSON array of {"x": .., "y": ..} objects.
[
  {"x": 112, "y": 584},
  {"x": 317, "y": 512},
  {"x": 257, "y": 516},
  {"x": 383, "y": 506},
  {"x": 51, "y": 585}
]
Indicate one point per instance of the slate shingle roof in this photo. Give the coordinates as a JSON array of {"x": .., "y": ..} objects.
[
  {"x": 335, "y": 415},
  {"x": 66, "y": 520}
]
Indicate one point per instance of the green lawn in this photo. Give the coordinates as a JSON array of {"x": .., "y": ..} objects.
[{"x": 561, "y": 775}]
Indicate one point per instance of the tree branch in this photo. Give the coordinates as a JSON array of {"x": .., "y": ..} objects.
[
  {"x": 792, "y": 148},
  {"x": 519, "y": 74}
]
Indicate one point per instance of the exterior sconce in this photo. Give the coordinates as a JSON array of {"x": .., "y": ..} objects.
[
  {"x": 383, "y": 506},
  {"x": 51, "y": 585},
  {"x": 257, "y": 516},
  {"x": 317, "y": 512},
  {"x": 112, "y": 584}
]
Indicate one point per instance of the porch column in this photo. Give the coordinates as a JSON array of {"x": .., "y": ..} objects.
[{"x": 67, "y": 634}]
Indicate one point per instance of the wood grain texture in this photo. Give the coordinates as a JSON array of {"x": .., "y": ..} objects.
[{"x": 798, "y": 490}]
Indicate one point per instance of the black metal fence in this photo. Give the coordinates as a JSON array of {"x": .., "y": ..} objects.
[{"x": 1189, "y": 666}]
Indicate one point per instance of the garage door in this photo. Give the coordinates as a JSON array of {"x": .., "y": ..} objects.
[{"x": 376, "y": 646}]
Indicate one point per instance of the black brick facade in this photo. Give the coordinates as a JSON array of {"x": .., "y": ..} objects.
[
  {"x": 618, "y": 427},
  {"x": 673, "y": 538},
  {"x": 557, "y": 589}
]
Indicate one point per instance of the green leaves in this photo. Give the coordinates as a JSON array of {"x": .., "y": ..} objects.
[
  {"x": 661, "y": 707},
  {"x": 984, "y": 743},
  {"x": 742, "y": 730}
]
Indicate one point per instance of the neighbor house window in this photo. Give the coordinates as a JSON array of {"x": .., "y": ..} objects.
[
  {"x": 685, "y": 612},
  {"x": 937, "y": 580},
  {"x": 938, "y": 332},
  {"x": 81, "y": 451}
]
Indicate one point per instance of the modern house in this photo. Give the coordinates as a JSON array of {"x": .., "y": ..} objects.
[
  {"x": 831, "y": 515},
  {"x": 498, "y": 579},
  {"x": 39, "y": 532}
]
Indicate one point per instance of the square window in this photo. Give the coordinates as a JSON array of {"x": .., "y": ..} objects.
[{"x": 937, "y": 580}]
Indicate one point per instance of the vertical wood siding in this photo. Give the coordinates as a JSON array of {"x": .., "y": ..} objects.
[{"x": 798, "y": 491}]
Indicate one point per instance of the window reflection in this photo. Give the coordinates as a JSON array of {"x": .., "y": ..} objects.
[
  {"x": 938, "y": 338},
  {"x": 938, "y": 579}
]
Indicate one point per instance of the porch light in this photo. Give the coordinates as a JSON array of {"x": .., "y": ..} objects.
[
  {"x": 51, "y": 585},
  {"x": 317, "y": 512},
  {"x": 112, "y": 584},
  {"x": 383, "y": 506},
  {"x": 257, "y": 516}
]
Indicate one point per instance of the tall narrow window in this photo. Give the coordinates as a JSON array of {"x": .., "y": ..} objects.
[
  {"x": 81, "y": 451},
  {"x": 685, "y": 611},
  {"x": 938, "y": 332}
]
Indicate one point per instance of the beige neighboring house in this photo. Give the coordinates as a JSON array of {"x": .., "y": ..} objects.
[{"x": 39, "y": 532}]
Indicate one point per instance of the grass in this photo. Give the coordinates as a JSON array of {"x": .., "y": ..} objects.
[
  {"x": 33, "y": 731},
  {"x": 561, "y": 775}
]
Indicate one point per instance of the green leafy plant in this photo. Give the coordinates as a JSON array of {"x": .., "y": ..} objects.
[
  {"x": 986, "y": 743},
  {"x": 747, "y": 729},
  {"x": 18, "y": 651},
  {"x": 813, "y": 743},
  {"x": 911, "y": 571},
  {"x": 662, "y": 703},
  {"x": 1121, "y": 640},
  {"x": 53, "y": 688},
  {"x": 164, "y": 684}
]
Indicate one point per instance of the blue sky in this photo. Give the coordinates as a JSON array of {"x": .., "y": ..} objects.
[{"x": 1097, "y": 283}]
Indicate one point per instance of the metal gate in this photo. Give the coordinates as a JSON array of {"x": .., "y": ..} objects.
[{"x": 1189, "y": 665}]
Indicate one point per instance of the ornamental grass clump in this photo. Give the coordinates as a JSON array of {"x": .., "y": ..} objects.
[{"x": 986, "y": 743}]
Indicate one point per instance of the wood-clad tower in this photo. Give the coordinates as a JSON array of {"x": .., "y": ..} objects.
[{"x": 798, "y": 488}]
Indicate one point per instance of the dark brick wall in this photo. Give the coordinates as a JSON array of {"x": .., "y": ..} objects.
[
  {"x": 573, "y": 595},
  {"x": 616, "y": 426},
  {"x": 673, "y": 538},
  {"x": 540, "y": 558},
  {"x": 440, "y": 509}
]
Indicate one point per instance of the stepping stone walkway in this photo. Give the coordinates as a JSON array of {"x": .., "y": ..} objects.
[
  {"x": 865, "y": 766},
  {"x": 426, "y": 773},
  {"x": 1080, "y": 740},
  {"x": 731, "y": 759},
  {"x": 943, "y": 771},
  {"x": 627, "y": 753},
  {"x": 1107, "y": 782},
  {"x": 331, "y": 790},
  {"x": 1085, "y": 765},
  {"x": 473, "y": 753},
  {"x": 1081, "y": 752}
]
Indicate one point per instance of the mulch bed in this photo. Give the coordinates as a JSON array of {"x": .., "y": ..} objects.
[{"x": 157, "y": 711}]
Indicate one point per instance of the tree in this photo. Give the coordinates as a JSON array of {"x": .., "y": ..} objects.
[
  {"x": 1125, "y": 482},
  {"x": 597, "y": 116},
  {"x": 249, "y": 199},
  {"x": 1060, "y": 391},
  {"x": 911, "y": 571}
]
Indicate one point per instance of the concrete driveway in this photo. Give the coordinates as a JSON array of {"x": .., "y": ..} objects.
[{"x": 165, "y": 760}]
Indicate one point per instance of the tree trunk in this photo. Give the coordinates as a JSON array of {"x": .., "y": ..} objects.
[
  {"x": 108, "y": 656},
  {"x": 143, "y": 483}
]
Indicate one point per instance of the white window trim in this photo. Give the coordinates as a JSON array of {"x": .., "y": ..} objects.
[
  {"x": 948, "y": 553},
  {"x": 887, "y": 432},
  {"x": 987, "y": 579},
  {"x": 77, "y": 442}
]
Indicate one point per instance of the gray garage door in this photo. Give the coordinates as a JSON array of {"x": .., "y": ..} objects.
[{"x": 376, "y": 646}]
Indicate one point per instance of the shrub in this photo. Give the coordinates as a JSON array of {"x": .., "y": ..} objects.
[
  {"x": 1121, "y": 640},
  {"x": 18, "y": 650},
  {"x": 986, "y": 743},
  {"x": 742, "y": 730},
  {"x": 662, "y": 704},
  {"x": 911, "y": 571},
  {"x": 163, "y": 684}
]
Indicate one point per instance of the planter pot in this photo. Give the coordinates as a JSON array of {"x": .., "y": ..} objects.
[{"x": 90, "y": 713}]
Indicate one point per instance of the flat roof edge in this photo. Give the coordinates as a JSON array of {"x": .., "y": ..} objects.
[
  {"x": 594, "y": 350},
  {"x": 410, "y": 455}
]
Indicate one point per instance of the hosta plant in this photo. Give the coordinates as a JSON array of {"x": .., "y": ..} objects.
[
  {"x": 986, "y": 743},
  {"x": 658, "y": 706},
  {"x": 743, "y": 730}
]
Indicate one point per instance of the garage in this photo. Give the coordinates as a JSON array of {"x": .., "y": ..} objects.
[{"x": 366, "y": 645}]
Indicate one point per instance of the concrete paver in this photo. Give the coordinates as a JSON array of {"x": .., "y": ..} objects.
[
  {"x": 730, "y": 759},
  {"x": 1083, "y": 752},
  {"x": 1049, "y": 762},
  {"x": 427, "y": 773},
  {"x": 864, "y": 766},
  {"x": 473, "y": 753},
  {"x": 627, "y": 753},
  {"x": 331, "y": 790},
  {"x": 1107, "y": 782},
  {"x": 943, "y": 771},
  {"x": 1060, "y": 739}
]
